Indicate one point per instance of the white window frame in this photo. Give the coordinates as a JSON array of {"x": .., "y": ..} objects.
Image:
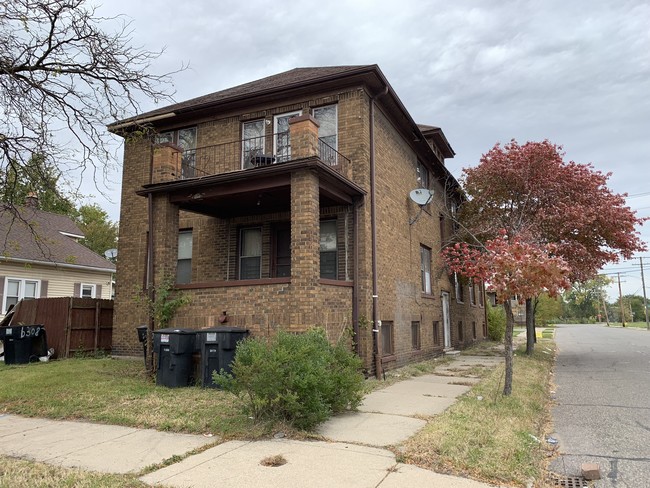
[
  {"x": 425, "y": 270},
  {"x": 280, "y": 157},
  {"x": 179, "y": 258},
  {"x": 422, "y": 175},
  {"x": 244, "y": 163},
  {"x": 21, "y": 290},
  {"x": 336, "y": 122},
  {"x": 93, "y": 290}
]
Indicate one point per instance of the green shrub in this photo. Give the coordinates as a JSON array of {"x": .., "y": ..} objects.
[
  {"x": 496, "y": 323},
  {"x": 299, "y": 378}
]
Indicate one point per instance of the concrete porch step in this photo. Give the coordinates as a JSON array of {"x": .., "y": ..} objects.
[{"x": 451, "y": 352}]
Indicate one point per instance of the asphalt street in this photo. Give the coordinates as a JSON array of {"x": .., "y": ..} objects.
[{"x": 602, "y": 414}]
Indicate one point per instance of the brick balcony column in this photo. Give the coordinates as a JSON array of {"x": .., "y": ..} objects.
[
  {"x": 305, "y": 244},
  {"x": 165, "y": 238},
  {"x": 166, "y": 162},
  {"x": 303, "y": 131}
]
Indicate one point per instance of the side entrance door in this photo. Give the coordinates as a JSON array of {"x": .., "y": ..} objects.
[{"x": 446, "y": 320}]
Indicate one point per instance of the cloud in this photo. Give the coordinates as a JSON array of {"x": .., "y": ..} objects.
[{"x": 577, "y": 73}]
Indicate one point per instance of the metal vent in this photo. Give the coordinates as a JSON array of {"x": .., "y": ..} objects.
[{"x": 568, "y": 481}]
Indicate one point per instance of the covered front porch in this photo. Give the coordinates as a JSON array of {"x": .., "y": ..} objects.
[{"x": 267, "y": 247}]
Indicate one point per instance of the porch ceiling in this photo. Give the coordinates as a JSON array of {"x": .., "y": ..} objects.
[{"x": 253, "y": 191}]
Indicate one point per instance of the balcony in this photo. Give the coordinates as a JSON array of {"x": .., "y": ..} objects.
[
  {"x": 252, "y": 176},
  {"x": 252, "y": 153}
]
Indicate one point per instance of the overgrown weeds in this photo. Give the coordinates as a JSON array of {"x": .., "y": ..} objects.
[
  {"x": 299, "y": 378},
  {"x": 488, "y": 436}
]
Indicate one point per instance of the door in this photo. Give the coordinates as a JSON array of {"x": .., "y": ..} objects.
[
  {"x": 281, "y": 137},
  {"x": 446, "y": 320}
]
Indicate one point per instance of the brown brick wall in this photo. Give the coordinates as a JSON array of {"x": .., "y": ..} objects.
[
  {"x": 303, "y": 302},
  {"x": 401, "y": 300}
]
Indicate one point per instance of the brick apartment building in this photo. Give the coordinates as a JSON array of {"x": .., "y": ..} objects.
[{"x": 284, "y": 203}]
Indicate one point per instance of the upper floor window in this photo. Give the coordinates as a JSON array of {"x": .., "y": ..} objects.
[
  {"x": 184, "y": 263},
  {"x": 328, "y": 250},
  {"x": 425, "y": 269},
  {"x": 472, "y": 293},
  {"x": 17, "y": 289},
  {"x": 282, "y": 137},
  {"x": 327, "y": 118},
  {"x": 250, "y": 254},
  {"x": 186, "y": 139},
  {"x": 422, "y": 175},
  {"x": 253, "y": 142},
  {"x": 459, "y": 288}
]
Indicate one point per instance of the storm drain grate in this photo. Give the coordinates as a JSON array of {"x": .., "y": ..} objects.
[{"x": 568, "y": 481}]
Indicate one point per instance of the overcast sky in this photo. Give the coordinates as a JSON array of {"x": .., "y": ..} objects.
[{"x": 574, "y": 72}]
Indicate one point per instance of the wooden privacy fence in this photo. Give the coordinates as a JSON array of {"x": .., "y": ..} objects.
[{"x": 73, "y": 325}]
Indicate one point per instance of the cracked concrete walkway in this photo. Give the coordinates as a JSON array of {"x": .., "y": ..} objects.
[{"x": 354, "y": 454}]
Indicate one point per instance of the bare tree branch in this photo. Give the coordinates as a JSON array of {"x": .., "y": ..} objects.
[{"x": 63, "y": 76}]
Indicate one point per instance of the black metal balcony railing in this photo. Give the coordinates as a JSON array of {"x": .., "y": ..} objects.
[{"x": 252, "y": 153}]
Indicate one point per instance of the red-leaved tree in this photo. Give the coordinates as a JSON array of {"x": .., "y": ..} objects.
[
  {"x": 560, "y": 213},
  {"x": 512, "y": 267}
]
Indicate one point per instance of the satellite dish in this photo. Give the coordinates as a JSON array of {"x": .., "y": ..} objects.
[
  {"x": 110, "y": 253},
  {"x": 421, "y": 196}
]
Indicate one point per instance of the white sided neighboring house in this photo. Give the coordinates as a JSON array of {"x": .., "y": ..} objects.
[{"x": 41, "y": 256}]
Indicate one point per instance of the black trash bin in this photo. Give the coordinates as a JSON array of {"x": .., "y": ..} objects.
[
  {"x": 142, "y": 337},
  {"x": 23, "y": 343},
  {"x": 174, "y": 348},
  {"x": 217, "y": 347}
]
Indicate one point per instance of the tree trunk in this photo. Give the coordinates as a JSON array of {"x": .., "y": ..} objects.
[
  {"x": 510, "y": 322},
  {"x": 530, "y": 327}
]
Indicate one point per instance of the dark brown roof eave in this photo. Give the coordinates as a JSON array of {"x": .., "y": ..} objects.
[{"x": 173, "y": 110}]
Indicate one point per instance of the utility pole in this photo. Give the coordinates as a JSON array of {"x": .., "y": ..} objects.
[
  {"x": 602, "y": 297},
  {"x": 620, "y": 299},
  {"x": 645, "y": 300}
]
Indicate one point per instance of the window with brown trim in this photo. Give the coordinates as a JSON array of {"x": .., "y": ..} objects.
[
  {"x": 387, "y": 339},
  {"x": 250, "y": 253},
  {"x": 459, "y": 288},
  {"x": 472, "y": 293},
  {"x": 281, "y": 254},
  {"x": 461, "y": 334},
  {"x": 436, "y": 333},
  {"x": 328, "y": 250},
  {"x": 443, "y": 230},
  {"x": 184, "y": 262},
  {"x": 474, "y": 330},
  {"x": 415, "y": 335}
]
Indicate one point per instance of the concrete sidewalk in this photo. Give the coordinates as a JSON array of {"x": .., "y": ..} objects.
[{"x": 352, "y": 455}]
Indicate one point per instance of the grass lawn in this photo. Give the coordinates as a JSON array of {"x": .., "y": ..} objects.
[
  {"x": 636, "y": 325},
  {"x": 488, "y": 436},
  {"x": 488, "y": 439},
  {"x": 114, "y": 391},
  {"x": 16, "y": 473}
]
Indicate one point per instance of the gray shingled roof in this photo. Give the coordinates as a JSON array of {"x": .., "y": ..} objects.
[
  {"x": 35, "y": 235},
  {"x": 285, "y": 80}
]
